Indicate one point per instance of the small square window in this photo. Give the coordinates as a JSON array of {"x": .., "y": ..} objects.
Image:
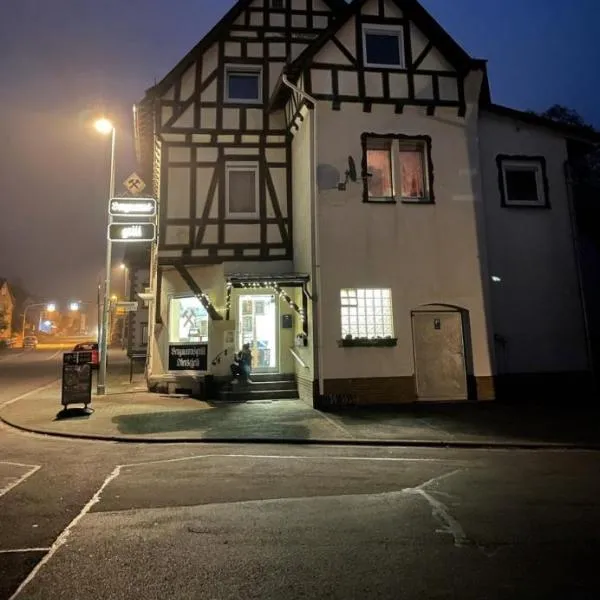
[
  {"x": 523, "y": 181},
  {"x": 383, "y": 47},
  {"x": 242, "y": 190},
  {"x": 243, "y": 85}
]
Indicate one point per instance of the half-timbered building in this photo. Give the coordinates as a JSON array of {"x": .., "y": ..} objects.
[{"x": 337, "y": 189}]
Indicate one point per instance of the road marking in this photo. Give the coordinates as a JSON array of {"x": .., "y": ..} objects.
[
  {"x": 440, "y": 511},
  {"x": 14, "y": 484},
  {"x": 284, "y": 457},
  {"x": 54, "y": 355},
  {"x": 30, "y": 393},
  {"x": 21, "y": 550},
  {"x": 62, "y": 538}
]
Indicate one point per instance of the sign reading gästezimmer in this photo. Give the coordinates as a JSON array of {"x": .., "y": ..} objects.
[
  {"x": 133, "y": 207},
  {"x": 188, "y": 357}
]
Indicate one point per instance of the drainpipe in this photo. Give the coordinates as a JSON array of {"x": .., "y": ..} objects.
[
  {"x": 579, "y": 272},
  {"x": 315, "y": 243}
]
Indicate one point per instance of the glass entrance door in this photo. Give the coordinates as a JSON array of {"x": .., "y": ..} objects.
[{"x": 258, "y": 327}]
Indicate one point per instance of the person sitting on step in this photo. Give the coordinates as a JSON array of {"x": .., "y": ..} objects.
[{"x": 242, "y": 365}]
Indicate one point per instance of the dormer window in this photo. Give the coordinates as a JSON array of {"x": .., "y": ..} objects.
[
  {"x": 383, "y": 47},
  {"x": 243, "y": 84}
]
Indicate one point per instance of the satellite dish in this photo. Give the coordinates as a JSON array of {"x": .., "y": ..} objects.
[{"x": 351, "y": 173}]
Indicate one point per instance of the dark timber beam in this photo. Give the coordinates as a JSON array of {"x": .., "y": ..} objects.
[{"x": 187, "y": 277}]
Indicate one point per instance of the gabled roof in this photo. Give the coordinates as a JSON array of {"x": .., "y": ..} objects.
[
  {"x": 414, "y": 12},
  {"x": 336, "y": 6},
  {"x": 439, "y": 37}
]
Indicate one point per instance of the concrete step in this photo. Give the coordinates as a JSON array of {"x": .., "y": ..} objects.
[
  {"x": 266, "y": 386},
  {"x": 248, "y": 393},
  {"x": 272, "y": 377}
]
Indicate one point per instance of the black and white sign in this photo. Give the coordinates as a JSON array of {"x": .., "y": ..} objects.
[
  {"x": 132, "y": 232},
  {"x": 133, "y": 207},
  {"x": 188, "y": 357},
  {"x": 76, "y": 378}
]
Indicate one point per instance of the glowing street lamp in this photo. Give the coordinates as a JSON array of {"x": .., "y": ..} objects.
[
  {"x": 106, "y": 127},
  {"x": 74, "y": 306},
  {"x": 51, "y": 307}
]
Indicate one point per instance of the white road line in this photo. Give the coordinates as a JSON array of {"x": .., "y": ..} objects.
[
  {"x": 286, "y": 457},
  {"x": 54, "y": 355},
  {"x": 62, "y": 538},
  {"x": 30, "y": 393},
  {"x": 14, "y": 484},
  {"x": 440, "y": 512},
  {"x": 20, "y": 550}
]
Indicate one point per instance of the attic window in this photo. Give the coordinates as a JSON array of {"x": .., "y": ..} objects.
[
  {"x": 383, "y": 47},
  {"x": 243, "y": 84}
]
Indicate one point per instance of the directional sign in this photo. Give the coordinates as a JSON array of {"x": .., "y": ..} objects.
[
  {"x": 132, "y": 207},
  {"x": 127, "y": 306},
  {"x": 132, "y": 232},
  {"x": 134, "y": 184}
]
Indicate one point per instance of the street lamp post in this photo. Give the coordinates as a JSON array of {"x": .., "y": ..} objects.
[
  {"x": 105, "y": 127},
  {"x": 50, "y": 307},
  {"x": 126, "y": 319}
]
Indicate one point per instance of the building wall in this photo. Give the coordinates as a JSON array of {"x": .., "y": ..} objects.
[
  {"x": 536, "y": 306},
  {"x": 426, "y": 253},
  {"x": 138, "y": 320}
]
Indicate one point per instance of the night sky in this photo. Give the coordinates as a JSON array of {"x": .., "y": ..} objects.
[{"x": 62, "y": 61}]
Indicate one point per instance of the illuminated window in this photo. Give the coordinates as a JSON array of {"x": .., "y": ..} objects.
[
  {"x": 383, "y": 47},
  {"x": 523, "y": 181},
  {"x": 398, "y": 168},
  {"x": 367, "y": 313},
  {"x": 188, "y": 321},
  {"x": 380, "y": 181},
  {"x": 243, "y": 84},
  {"x": 241, "y": 183}
]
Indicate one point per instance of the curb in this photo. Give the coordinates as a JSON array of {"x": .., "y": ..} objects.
[{"x": 467, "y": 445}]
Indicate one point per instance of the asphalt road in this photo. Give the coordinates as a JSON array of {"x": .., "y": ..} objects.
[{"x": 89, "y": 520}]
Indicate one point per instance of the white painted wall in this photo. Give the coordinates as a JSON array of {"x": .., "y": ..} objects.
[
  {"x": 536, "y": 307},
  {"x": 424, "y": 253}
]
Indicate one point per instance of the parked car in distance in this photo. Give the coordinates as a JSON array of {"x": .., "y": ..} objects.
[
  {"x": 30, "y": 341},
  {"x": 90, "y": 347}
]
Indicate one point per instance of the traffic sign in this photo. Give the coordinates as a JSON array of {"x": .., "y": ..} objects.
[
  {"x": 132, "y": 232},
  {"x": 127, "y": 306},
  {"x": 134, "y": 184},
  {"x": 132, "y": 207}
]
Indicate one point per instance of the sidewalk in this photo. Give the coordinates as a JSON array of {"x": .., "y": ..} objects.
[{"x": 130, "y": 413}]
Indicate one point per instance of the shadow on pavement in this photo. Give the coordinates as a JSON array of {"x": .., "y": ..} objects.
[
  {"x": 74, "y": 413},
  {"x": 219, "y": 421},
  {"x": 534, "y": 422}
]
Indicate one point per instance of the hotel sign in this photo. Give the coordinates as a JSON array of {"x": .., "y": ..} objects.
[
  {"x": 133, "y": 207},
  {"x": 132, "y": 232}
]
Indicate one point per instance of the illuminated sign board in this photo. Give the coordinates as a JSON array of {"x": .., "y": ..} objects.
[
  {"x": 132, "y": 232},
  {"x": 132, "y": 207}
]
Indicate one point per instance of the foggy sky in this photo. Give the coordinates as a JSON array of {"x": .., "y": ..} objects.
[{"x": 63, "y": 61}]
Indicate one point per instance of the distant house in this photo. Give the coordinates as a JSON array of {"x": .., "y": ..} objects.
[
  {"x": 7, "y": 308},
  {"x": 337, "y": 188}
]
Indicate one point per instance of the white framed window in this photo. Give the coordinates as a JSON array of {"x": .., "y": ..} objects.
[
  {"x": 243, "y": 84},
  {"x": 383, "y": 46},
  {"x": 188, "y": 320},
  {"x": 398, "y": 168},
  {"x": 241, "y": 190},
  {"x": 366, "y": 313},
  {"x": 523, "y": 181}
]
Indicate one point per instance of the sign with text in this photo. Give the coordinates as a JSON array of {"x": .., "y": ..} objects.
[
  {"x": 188, "y": 357},
  {"x": 76, "y": 378},
  {"x": 127, "y": 306},
  {"x": 132, "y": 207},
  {"x": 132, "y": 232}
]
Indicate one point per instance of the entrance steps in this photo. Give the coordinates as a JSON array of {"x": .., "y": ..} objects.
[{"x": 263, "y": 387}]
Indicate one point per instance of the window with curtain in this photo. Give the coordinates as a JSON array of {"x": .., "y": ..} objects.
[
  {"x": 379, "y": 169},
  {"x": 411, "y": 158}
]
